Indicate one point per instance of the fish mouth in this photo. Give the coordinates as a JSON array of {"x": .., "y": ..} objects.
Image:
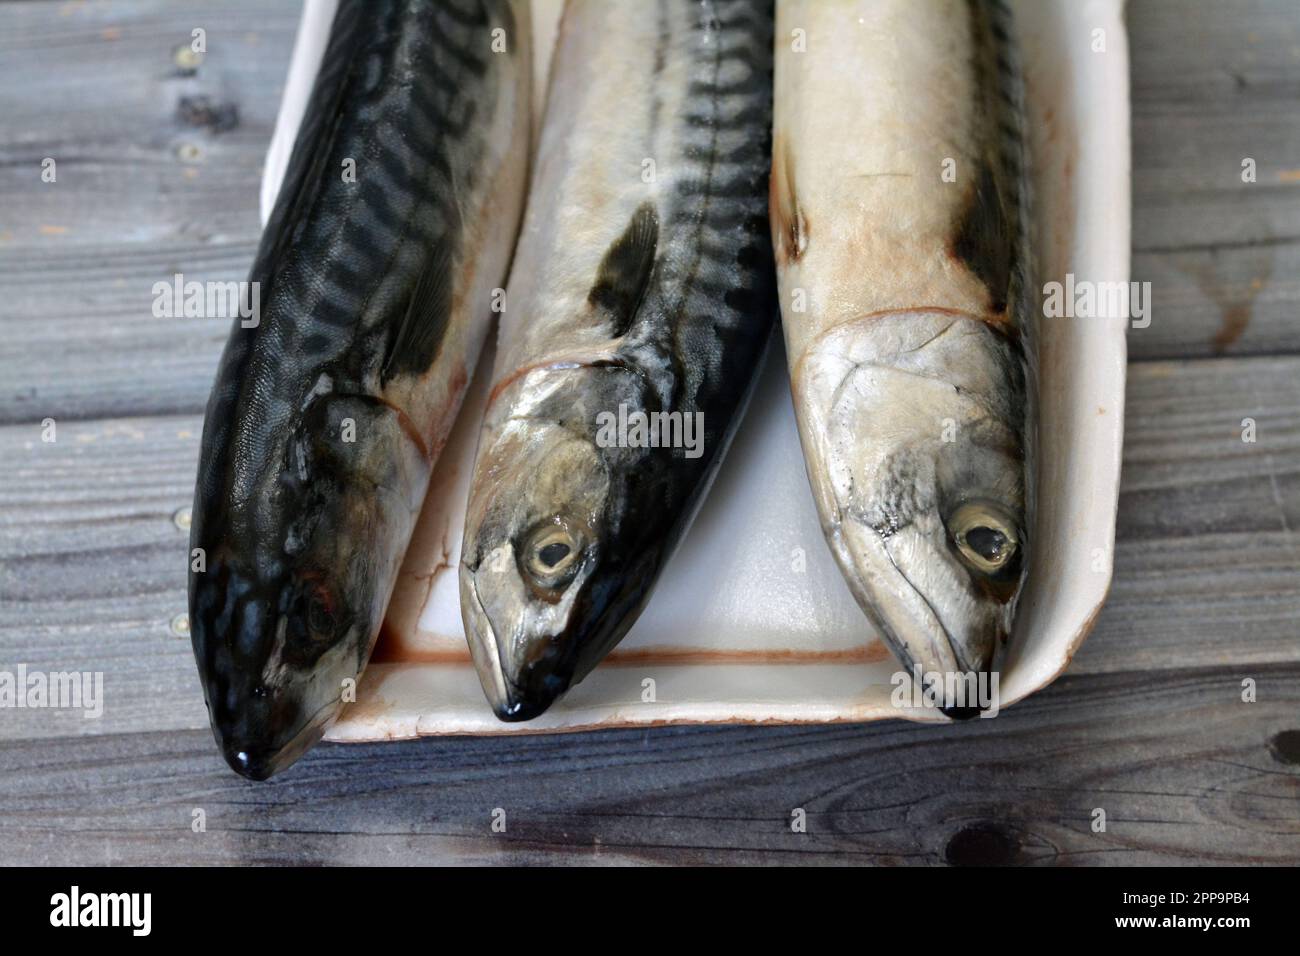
[
  {"x": 252, "y": 764},
  {"x": 255, "y": 762},
  {"x": 515, "y": 692},
  {"x": 260, "y": 727},
  {"x": 258, "y": 760},
  {"x": 909, "y": 620},
  {"x": 540, "y": 683},
  {"x": 518, "y": 706}
]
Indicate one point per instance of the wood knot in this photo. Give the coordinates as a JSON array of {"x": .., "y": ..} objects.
[
  {"x": 982, "y": 844},
  {"x": 1286, "y": 747},
  {"x": 201, "y": 112}
]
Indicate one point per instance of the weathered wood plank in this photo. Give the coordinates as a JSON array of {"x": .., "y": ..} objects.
[
  {"x": 1184, "y": 770},
  {"x": 150, "y": 147},
  {"x": 158, "y": 166},
  {"x": 92, "y": 564},
  {"x": 1220, "y": 300},
  {"x": 1209, "y": 90},
  {"x": 133, "y": 205},
  {"x": 155, "y": 178}
]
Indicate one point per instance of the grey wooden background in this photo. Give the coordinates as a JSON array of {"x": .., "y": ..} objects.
[{"x": 158, "y": 169}]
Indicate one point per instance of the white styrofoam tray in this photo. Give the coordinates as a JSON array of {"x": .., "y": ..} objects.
[{"x": 751, "y": 621}]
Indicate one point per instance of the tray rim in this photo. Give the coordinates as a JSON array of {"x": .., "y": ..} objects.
[{"x": 357, "y": 726}]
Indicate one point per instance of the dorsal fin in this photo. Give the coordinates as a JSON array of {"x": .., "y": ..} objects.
[
  {"x": 418, "y": 338},
  {"x": 624, "y": 273}
]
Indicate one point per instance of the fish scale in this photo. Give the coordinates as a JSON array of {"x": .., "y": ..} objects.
[
  {"x": 327, "y": 417},
  {"x": 648, "y": 293}
]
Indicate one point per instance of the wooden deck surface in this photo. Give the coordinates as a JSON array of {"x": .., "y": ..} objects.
[{"x": 158, "y": 171}]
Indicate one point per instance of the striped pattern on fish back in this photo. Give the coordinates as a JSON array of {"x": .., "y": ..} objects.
[
  {"x": 402, "y": 92},
  {"x": 999, "y": 117},
  {"x": 1007, "y": 98},
  {"x": 706, "y": 317}
]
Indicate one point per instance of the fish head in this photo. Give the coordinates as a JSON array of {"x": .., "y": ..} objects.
[
  {"x": 924, "y": 492},
  {"x": 296, "y": 577},
  {"x": 544, "y": 580}
]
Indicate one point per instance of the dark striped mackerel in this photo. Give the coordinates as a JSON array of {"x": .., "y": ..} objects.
[
  {"x": 643, "y": 284},
  {"x": 394, "y": 223}
]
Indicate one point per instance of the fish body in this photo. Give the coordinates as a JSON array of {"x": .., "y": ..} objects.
[
  {"x": 643, "y": 286},
  {"x": 899, "y": 223},
  {"x": 394, "y": 223}
]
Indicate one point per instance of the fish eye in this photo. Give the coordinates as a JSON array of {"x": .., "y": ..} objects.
[
  {"x": 320, "y": 612},
  {"x": 551, "y": 554},
  {"x": 985, "y": 537},
  {"x": 314, "y": 613}
]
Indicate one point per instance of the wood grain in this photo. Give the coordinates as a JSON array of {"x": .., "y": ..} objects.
[
  {"x": 1214, "y": 84},
  {"x": 78, "y": 258},
  {"x": 92, "y": 564},
  {"x": 158, "y": 168},
  {"x": 1184, "y": 770}
]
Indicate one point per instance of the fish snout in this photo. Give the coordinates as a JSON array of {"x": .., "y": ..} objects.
[
  {"x": 258, "y": 757},
  {"x": 956, "y": 676},
  {"x": 963, "y": 712},
  {"x": 250, "y": 760},
  {"x": 268, "y": 730},
  {"x": 529, "y": 621},
  {"x": 942, "y": 631},
  {"x": 536, "y": 684},
  {"x": 522, "y": 673},
  {"x": 268, "y": 703},
  {"x": 517, "y": 707}
]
